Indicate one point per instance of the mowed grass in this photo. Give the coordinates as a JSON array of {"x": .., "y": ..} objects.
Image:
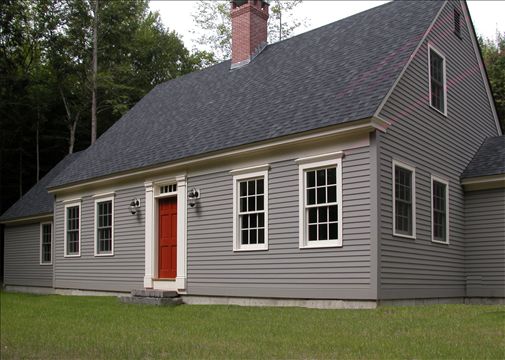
[{"x": 101, "y": 328}]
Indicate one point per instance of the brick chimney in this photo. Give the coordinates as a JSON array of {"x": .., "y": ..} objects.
[{"x": 249, "y": 30}]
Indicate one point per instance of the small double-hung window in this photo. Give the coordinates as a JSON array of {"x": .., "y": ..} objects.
[
  {"x": 104, "y": 227},
  {"x": 439, "y": 210},
  {"x": 320, "y": 201},
  {"x": 250, "y": 209},
  {"x": 73, "y": 229},
  {"x": 404, "y": 200},
  {"x": 438, "y": 89},
  {"x": 46, "y": 241}
]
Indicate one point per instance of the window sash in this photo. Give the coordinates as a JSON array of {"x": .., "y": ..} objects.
[
  {"x": 46, "y": 244},
  {"x": 323, "y": 184},
  {"x": 104, "y": 227},
  {"x": 437, "y": 81},
  {"x": 403, "y": 194},
  {"x": 251, "y": 193},
  {"x": 439, "y": 211},
  {"x": 72, "y": 230}
]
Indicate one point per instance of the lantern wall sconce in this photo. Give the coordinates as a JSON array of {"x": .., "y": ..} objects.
[
  {"x": 193, "y": 195},
  {"x": 134, "y": 206}
]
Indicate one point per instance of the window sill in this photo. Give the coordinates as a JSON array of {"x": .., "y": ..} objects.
[
  {"x": 72, "y": 256},
  {"x": 104, "y": 255},
  {"x": 412, "y": 237},
  {"x": 265, "y": 248},
  {"x": 440, "y": 242},
  {"x": 322, "y": 246},
  {"x": 46, "y": 264}
]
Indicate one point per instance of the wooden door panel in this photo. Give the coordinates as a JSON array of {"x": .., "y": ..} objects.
[{"x": 167, "y": 238}]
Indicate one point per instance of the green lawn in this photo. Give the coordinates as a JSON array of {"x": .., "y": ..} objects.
[{"x": 96, "y": 327}]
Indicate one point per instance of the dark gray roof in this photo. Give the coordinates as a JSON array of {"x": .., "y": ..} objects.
[
  {"x": 489, "y": 160},
  {"x": 334, "y": 74},
  {"x": 37, "y": 201}
]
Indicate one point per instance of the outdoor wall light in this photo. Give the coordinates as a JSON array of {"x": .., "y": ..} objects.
[
  {"x": 134, "y": 206},
  {"x": 193, "y": 195}
]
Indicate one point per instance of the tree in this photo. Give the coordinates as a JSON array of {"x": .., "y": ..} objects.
[
  {"x": 213, "y": 23},
  {"x": 493, "y": 53}
]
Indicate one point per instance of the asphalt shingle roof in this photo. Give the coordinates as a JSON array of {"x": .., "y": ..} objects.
[
  {"x": 37, "y": 201},
  {"x": 334, "y": 74},
  {"x": 489, "y": 160}
]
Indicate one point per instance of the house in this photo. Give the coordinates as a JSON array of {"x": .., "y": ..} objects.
[{"x": 361, "y": 162}]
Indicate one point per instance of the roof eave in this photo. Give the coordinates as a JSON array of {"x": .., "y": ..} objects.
[
  {"x": 27, "y": 219},
  {"x": 487, "y": 182}
]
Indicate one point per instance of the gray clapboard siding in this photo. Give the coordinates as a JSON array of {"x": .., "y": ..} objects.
[
  {"x": 122, "y": 272},
  {"x": 284, "y": 270},
  {"x": 22, "y": 257},
  {"x": 485, "y": 242},
  {"x": 436, "y": 145}
]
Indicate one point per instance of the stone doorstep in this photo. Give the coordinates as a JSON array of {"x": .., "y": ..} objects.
[
  {"x": 156, "y": 301},
  {"x": 150, "y": 293}
]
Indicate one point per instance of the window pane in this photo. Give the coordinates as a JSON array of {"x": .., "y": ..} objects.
[
  {"x": 332, "y": 194},
  {"x": 252, "y": 236},
  {"x": 321, "y": 195},
  {"x": 245, "y": 237},
  {"x": 243, "y": 204},
  {"x": 312, "y": 232},
  {"x": 311, "y": 179},
  {"x": 259, "y": 185},
  {"x": 260, "y": 204},
  {"x": 321, "y": 177},
  {"x": 252, "y": 205},
  {"x": 245, "y": 221},
  {"x": 243, "y": 188},
  {"x": 332, "y": 176},
  {"x": 312, "y": 215},
  {"x": 333, "y": 231},
  {"x": 261, "y": 220},
  {"x": 311, "y": 197},
  {"x": 251, "y": 186},
  {"x": 323, "y": 214},
  {"x": 261, "y": 236},
  {"x": 253, "y": 221},
  {"x": 333, "y": 213},
  {"x": 323, "y": 232}
]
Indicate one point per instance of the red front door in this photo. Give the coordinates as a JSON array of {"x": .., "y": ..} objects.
[{"x": 167, "y": 242}]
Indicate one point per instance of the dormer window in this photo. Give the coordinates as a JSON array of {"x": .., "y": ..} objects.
[{"x": 438, "y": 90}]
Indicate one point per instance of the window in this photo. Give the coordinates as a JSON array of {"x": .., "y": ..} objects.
[
  {"x": 457, "y": 23},
  {"x": 104, "y": 229},
  {"x": 250, "y": 209},
  {"x": 404, "y": 200},
  {"x": 72, "y": 230},
  {"x": 440, "y": 210},
  {"x": 320, "y": 201},
  {"x": 46, "y": 241},
  {"x": 437, "y": 80}
]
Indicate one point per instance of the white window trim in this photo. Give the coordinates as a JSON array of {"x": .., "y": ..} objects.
[
  {"x": 314, "y": 162},
  {"x": 413, "y": 170},
  {"x": 95, "y": 226},
  {"x": 430, "y": 48},
  {"x": 52, "y": 242},
  {"x": 442, "y": 181},
  {"x": 239, "y": 175},
  {"x": 67, "y": 205}
]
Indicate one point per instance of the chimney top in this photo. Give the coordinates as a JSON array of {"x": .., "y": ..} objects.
[{"x": 249, "y": 20}]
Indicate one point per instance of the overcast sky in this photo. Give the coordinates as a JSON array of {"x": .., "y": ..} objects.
[{"x": 486, "y": 15}]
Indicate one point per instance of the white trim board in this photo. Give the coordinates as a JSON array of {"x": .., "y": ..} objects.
[
  {"x": 315, "y": 162},
  {"x": 68, "y": 205},
  {"x": 95, "y": 226}
]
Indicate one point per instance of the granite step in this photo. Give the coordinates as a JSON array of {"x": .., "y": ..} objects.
[
  {"x": 156, "y": 301},
  {"x": 154, "y": 293}
]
